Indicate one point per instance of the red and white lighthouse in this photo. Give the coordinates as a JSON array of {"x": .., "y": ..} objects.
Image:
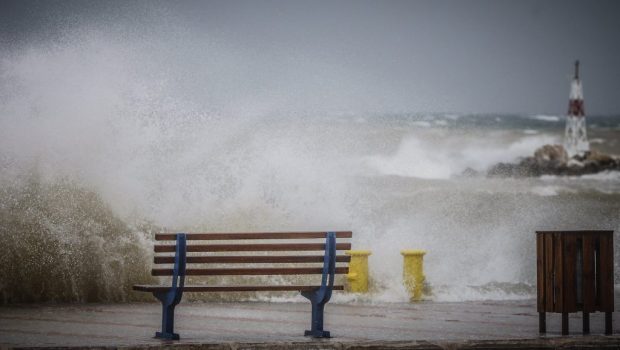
[{"x": 575, "y": 137}]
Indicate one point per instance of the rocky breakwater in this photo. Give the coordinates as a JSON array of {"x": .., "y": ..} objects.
[{"x": 554, "y": 160}]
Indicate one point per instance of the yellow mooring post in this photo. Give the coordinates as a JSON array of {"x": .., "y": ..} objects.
[
  {"x": 413, "y": 272},
  {"x": 358, "y": 271}
]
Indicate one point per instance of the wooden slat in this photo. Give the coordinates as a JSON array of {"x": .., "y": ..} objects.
[
  {"x": 549, "y": 301},
  {"x": 540, "y": 272},
  {"x": 251, "y": 271},
  {"x": 264, "y": 259},
  {"x": 569, "y": 268},
  {"x": 558, "y": 265},
  {"x": 588, "y": 274},
  {"x": 252, "y": 247},
  {"x": 606, "y": 271},
  {"x": 251, "y": 235},
  {"x": 157, "y": 288},
  {"x": 597, "y": 273}
]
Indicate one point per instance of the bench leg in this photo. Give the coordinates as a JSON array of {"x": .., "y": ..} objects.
[
  {"x": 318, "y": 299},
  {"x": 167, "y": 324},
  {"x": 167, "y": 316},
  {"x": 316, "y": 330}
]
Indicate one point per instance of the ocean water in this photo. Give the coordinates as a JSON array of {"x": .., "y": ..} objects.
[
  {"x": 99, "y": 150},
  {"x": 78, "y": 213}
]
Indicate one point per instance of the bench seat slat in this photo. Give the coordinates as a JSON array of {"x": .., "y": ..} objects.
[
  {"x": 251, "y": 247},
  {"x": 250, "y": 271},
  {"x": 251, "y": 259},
  {"x": 159, "y": 288},
  {"x": 251, "y": 235}
]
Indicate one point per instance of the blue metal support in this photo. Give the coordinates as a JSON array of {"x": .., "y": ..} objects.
[
  {"x": 321, "y": 296},
  {"x": 170, "y": 298}
]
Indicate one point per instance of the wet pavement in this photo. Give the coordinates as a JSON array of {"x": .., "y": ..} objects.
[{"x": 506, "y": 324}]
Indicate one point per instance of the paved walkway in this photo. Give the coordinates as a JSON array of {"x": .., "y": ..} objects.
[{"x": 227, "y": 325}]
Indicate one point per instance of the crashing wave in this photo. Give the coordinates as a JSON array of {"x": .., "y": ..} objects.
[{"x": 61, "y": 242}]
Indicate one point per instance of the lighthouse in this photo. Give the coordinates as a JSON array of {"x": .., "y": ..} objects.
[{"x": 575, "y": 138}]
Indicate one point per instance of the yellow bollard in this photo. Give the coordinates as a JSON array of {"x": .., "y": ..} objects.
[
  {"x": 413, "y": 272},
  {"x": 358, "y": 270}
]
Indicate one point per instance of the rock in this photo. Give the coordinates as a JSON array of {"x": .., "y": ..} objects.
[
  {"x": 551, "y": 154},
  {"x": 553, "y": 160},
  {"x": 598, "y": 157},
  {"x": 574, "y": 163},
  {"x": 527, "y": 167}
]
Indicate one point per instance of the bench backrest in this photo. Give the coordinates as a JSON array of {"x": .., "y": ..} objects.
[{"x": 299, "y": 248}]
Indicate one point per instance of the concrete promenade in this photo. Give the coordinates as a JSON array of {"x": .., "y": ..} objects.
[{"x": 428, "y": 325}]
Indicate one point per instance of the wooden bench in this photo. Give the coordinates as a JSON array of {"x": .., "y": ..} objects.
[{"x": 296, "y": 255}]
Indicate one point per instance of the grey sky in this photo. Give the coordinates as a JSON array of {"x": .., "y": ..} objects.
[{"x": 356, "y": 56}]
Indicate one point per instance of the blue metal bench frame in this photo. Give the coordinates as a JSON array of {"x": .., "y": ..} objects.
[
  {"x": 321, "y": 296},
  {"x": 171, "y": 298}
]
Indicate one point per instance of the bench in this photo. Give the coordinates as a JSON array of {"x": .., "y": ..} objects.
[{"x": 296, "y": 250}]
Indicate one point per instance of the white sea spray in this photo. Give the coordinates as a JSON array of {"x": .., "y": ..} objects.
[{"x": 102, "y": 142}]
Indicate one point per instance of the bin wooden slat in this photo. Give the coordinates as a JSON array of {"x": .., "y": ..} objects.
[
  {"x": 540, "y": 272},
  {"x": 558, "y": 267},
  {"x": 549, "y": 302},
  {"x": 569, "y": 290},
  {"x": 606, "y": 274},
  {"x": 589, "y": 297}
]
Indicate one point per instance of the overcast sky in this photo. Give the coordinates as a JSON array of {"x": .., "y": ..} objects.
[{"x": 356, "y": 56}]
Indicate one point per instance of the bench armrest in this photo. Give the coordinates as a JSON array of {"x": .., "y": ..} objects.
[
  {"x": 178, "y": 274},
  {"x": 329, "y": 265}
]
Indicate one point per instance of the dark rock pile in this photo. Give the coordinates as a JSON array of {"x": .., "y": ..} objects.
[{"x": 553, "y": 160}]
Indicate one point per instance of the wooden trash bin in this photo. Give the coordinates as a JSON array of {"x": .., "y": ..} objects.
[{"x": 575, "y": 272}]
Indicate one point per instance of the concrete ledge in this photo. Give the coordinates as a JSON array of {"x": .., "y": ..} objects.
[
  {"x": 587, "y": 342},
  {"x": 262, "y": 325}
]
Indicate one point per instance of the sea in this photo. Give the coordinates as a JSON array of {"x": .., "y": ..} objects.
[{"x": 81, "y": 195}]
